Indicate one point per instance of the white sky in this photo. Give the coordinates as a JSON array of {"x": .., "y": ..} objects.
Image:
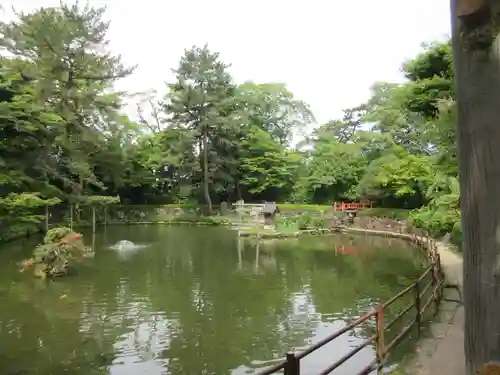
[{"x": 328, "y": 52}]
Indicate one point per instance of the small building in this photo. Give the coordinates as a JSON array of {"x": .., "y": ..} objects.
[{"x": 269, "y": 212}]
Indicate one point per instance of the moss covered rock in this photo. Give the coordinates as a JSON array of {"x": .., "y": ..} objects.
[{"x": 60, "y": 249}]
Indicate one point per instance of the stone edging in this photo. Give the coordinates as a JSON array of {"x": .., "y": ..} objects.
[
  {"x": 311, "y": 232},
  {"x": 339, "y": 229}
]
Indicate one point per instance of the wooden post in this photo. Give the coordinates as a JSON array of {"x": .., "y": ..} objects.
[
  {"x": 435, "y": 282},
  {"x": 105, "y": 215},
  {"x": 257, "y": 253},
  {"x": 418, "y": 308},
  {"x": 93, "y": 219},
  {"x": 240, "y": 245},
  {"x": 46, "y": 219},
  {"x": 380, "y": 345},
  {"x": 292, "y": 366}
]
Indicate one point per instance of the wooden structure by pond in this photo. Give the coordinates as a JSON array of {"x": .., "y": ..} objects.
[
  {"x": 255, "y": 215},
  {"x": 249, "y": 215},
  {"x": 269, "y": 212}
]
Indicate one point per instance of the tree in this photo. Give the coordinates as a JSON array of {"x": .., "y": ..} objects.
[
  {"x": 196, "y": 101},
  {"x": 62, "y": 52},
  {"x": 475, "y": 30}
]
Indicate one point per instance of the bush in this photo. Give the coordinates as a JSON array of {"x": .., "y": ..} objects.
[
  {"x": 436, "y": 222},
  {"x": 456, "y": 234},
  {"x": 286, "y": 223},
  {"x": 304, "y": 221}
]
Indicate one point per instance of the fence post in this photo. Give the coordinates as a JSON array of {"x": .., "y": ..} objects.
[
  {"x": 436, "y": 293},
  {"x": 379, "y": 344},
  {"x": 292, "y": 366},
  {"x": 418, "y": 307},
  {"x": 105, "y": 215},
  {"x": 93, "y": 219}
]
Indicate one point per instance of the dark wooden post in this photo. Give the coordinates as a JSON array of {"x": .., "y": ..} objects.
[
  {"x": 418, "y": 308},
  {"x": 436, "y": 277},
  {"x": 93, "y": 219},
  {"x": 292, "y": 366},
  {"x": 379, "y": 344}
]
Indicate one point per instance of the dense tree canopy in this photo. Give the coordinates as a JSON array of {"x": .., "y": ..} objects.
[{"x": 210, "y": 139}]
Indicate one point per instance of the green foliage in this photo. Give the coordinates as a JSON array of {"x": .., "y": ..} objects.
[
  {"x": 302, "y": 221},
  {"x": 21, "y": 214},
  {"x": 456, "y": 234},
  {"x": 61, "y": 247},
  {"x": 208, "y": 139},
  {"x": 286, "y": 224},
  {"x": 100, "y": 200}
]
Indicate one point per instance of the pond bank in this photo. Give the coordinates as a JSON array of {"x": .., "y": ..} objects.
[{"x": 440, "y": 351}]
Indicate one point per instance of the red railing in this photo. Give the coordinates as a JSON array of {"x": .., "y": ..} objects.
[
  {"x": 420, "y": 289},
  {"x": 343, "y": 206}
]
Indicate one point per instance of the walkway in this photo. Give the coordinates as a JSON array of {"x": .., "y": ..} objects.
[{"x": 442, "y": 352}]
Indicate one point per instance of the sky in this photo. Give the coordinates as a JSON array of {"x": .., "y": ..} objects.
[{"x": 327, "y": 52}]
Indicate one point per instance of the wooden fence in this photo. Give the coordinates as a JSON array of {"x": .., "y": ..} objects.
[{"x": 432, "y": 280}]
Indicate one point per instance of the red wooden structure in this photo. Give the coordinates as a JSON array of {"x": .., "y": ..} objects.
[{"x": 351, "y": 206}]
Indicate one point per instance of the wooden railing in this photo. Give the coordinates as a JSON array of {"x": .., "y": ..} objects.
[
  {"x": 427, "y": 290},
  {"x": 346, "y": 206}
]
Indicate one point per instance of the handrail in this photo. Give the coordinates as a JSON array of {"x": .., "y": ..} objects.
[{"x": 420, "y": 288}]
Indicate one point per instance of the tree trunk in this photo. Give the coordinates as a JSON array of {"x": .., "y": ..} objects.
[
  {"x": 205, "y": 172},
  {"x": 476, "y": 56}
]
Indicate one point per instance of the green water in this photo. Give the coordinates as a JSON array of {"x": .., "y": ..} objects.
[{"x": 196, "y": 301}]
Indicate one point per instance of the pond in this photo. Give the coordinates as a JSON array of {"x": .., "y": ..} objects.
[{"x": 196, "y": 301}]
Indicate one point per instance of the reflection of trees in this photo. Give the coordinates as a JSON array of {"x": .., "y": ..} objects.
[
  {"x": 193, "y": 299},
  {"x": 43, "y": 333}
]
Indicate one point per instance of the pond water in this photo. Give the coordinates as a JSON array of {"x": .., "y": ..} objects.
[{"x": 196, "y": 301}]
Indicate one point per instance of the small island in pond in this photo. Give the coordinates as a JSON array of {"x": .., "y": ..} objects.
[{"x": 54, "y": 256}]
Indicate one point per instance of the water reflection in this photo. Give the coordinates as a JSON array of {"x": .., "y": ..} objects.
[{"x": 198, "y": 301}]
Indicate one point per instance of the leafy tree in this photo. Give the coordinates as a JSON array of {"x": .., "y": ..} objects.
[
  {"x": 399, "y": 177},
  {"x": 195, "y": 101},
  {"x": 62, "y": 52},
  {"x": 267, "y": 165}
]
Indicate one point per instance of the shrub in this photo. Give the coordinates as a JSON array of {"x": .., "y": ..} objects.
[{"x": 456, "y": 234}]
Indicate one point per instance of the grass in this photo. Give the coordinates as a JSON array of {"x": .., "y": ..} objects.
[
  {"x": 286, "y": 225},
  {"x": 304, "y": 207}
]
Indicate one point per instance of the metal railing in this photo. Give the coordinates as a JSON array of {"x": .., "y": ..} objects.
[{"x": 424, "y": 293}]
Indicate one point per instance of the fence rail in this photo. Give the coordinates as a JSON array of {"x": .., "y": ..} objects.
[{"x": 415, "y": 311}]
